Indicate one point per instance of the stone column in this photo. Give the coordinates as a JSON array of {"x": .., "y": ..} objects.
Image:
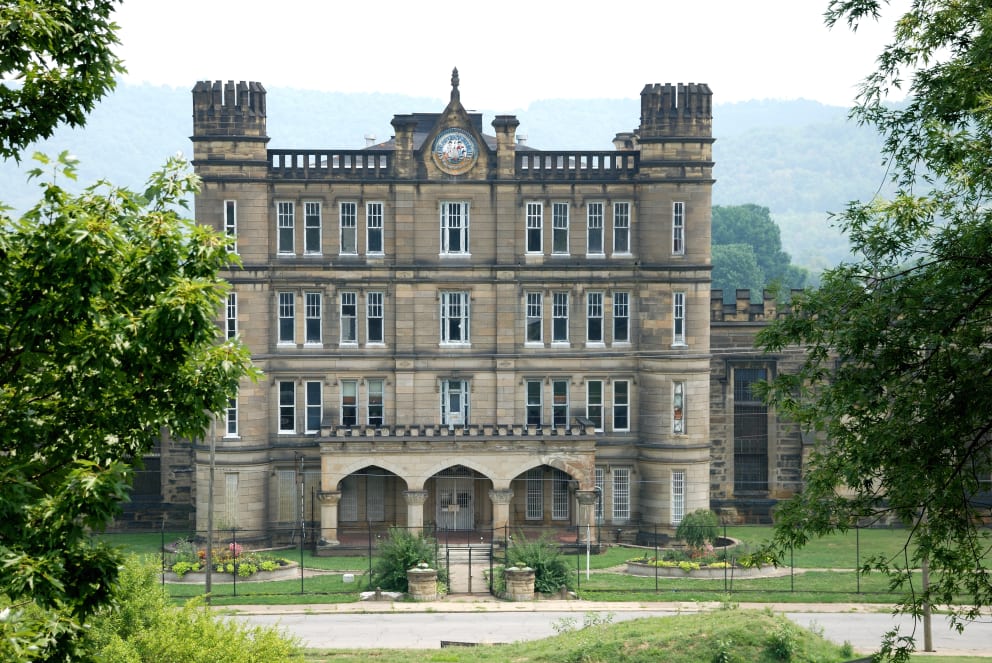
[
  {"x": 329, "y": 517},
  {"x": 586, "y": 517},
  {"x": 415, "y": 500},
  {"x": 501, "y": 511}
]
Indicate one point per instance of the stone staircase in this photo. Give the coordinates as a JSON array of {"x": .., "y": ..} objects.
[{"x": 467, "y": 566}]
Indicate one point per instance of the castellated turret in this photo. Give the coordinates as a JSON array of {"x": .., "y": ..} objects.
[
  {"x": 676, "y": 111},
  {"x": 229, "y": 110}
]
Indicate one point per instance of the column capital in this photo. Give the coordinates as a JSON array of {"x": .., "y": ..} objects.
[
  {"x": 415, "y": 497},
  {"x": 587, "y": 497},
  {"x": 501, "y": 496},
  {"x": 329, "y": 497}
]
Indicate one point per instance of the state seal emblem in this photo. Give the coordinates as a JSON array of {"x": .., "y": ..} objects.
[{"x": 454, "y": 151}]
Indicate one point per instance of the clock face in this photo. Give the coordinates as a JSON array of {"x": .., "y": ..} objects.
[{"x": 455, "y": 151}]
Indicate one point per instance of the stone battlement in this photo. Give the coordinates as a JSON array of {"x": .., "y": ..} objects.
[
  {"x": 676, "y": 111},
  {"x": 228, "y": 109},
  {"x": 742, "y": 309}
]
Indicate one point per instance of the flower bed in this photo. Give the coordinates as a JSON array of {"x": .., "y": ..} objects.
[
  {"x": 665, "y": 569},
  {"x": 189, "y": 564}
]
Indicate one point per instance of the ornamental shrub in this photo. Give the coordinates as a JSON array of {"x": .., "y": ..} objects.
[
  {"x": 698, "y": 528},
  {"x": 551, "y": 573},
  {"x": 398, "y": 553}
]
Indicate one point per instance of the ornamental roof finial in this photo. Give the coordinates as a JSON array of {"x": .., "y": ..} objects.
[{"x": 454, "y": 85}]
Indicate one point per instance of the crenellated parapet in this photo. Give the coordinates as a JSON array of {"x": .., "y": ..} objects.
[
  {"x": 743, "y": 309},
  {"x": 673, "y": 111},
  {"x": 228, "y": 110}
]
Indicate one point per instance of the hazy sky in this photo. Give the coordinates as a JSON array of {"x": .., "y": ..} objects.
[{"x": 508, "y": 53}]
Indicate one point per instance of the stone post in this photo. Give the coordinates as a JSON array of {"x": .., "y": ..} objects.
[
  {"x": 329, "y": 517},
  {"x": 415, "y": 500},
  {"x": 501, "y": 499},
  {"x": 422, "y": 582},
  {"x": 586, "y": 518},
  {"x": 519, "y": 583}
]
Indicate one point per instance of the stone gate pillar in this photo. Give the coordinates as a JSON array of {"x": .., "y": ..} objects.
[
  {"x": 329, "y": 517},
  {"x": 501, "y": 511},
  {"x": 586, "y": 517},
  {"x": 415, "y": 500}
]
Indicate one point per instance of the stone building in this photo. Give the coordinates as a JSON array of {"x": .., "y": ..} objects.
[
  {"x": 756, "y": 458},
  {"x": 460, "y": 331}
]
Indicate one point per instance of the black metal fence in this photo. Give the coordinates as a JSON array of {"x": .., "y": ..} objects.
[{"x": 247, "y": 564}]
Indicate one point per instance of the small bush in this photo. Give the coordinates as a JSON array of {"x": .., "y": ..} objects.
[
  {"x": 551, "y": 573},
  {"x": 400, "y": 552},
  {"x": 783, "y": 643},
  {"x": 698, "y": 528}
]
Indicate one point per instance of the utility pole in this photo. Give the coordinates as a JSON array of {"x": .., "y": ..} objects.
[{"x": 208, "y": 584}]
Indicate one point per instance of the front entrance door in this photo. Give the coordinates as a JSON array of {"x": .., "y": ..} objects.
[{"x": 455, "y": 501}]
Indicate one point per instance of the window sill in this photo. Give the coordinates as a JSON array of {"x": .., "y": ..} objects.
[
  {"x": 454, "y": 255},
  {"x": 313, "y": 345},
  {"x": 287, "y": 432},
  {"x": 230, "y": 436},
  {"x": 561, "y": 344},
  {"x": 679, "y": 344},
  {"x": 534, "y": 344},
  {"x": 595, "y": 344}
]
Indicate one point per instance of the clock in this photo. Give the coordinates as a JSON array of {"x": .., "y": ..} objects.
[{"x": 455, "y": 151}]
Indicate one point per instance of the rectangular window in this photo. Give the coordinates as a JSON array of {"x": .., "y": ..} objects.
[
  {"x": 621, "y": 227},
  {"x": 312, "y": 311},
  {"x": 594, "y": 402},
  {"x": 374, "y": 317},
  {"x": 286, "y": 489},
  {"x": 750, "y": 432},
  {"x": 594, "y": 229},
  {"x": 535, "y": 494},
  {"x": 315, "y": 407},
  {"x": 535, "y": 317},
  {"x": 287, "y": 407},
  {"x": 349, "y": 402},
  {"x": 231, "y": 316},
  {"x": 232, "y": 417},
  {"x": 600, "y": 478},
  {"x": 454, "y": 403},
  {"x": 678, "y": 318},
  {"x": 559, "y": 228},
  {"x": 373, "y": 228},
  {"x": 375, "y": 403},
  {"x": 349, "y": 228},
  {"x": 231, "y": 223},
  {"x": 621, "y": 494},
  {"x": 678, "y": 496},
  {"x": 349, "y": 317},
  {"x": 375, "y": 498},
  {"x": 231, "y": 498},
  {"x": 286, "y": 213},
  {"x": 559, "y": 495},
  {"x": 559, "y": 403},
  {"x": 454, "y": 227},
  {"x": 678, "y": 228},
  {"x": 348, "y": 507},
  {"x": 534, "y": 402},
  {"x": 621, "y": 317},
  {"x": 287, "y": 317},
  {"x": 559, "y": 318},
  {"x": 594, "y": 317},
  {"x": 454, "y": 317},
  {"x": 621, "y": 405},
  {"x": 678, "y": 408},
  {"x": 535, "y": 227},
  {"x": 311, "y": 228}
]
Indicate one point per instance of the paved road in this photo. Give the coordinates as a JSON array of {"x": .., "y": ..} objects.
[{"x": 488, "y": 622}]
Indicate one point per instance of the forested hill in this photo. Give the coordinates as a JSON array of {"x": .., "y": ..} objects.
[{"x": 800, "y": 159}]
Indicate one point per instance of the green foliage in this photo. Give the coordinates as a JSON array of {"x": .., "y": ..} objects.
[
  {"x": 747, "y": 252},
  {"x": 400, "y": 552},
  {"x": 551, "y": 572},
  {"x": 698, "y": 528},
  {"x": 107, "y": 311},
  {"x": 58, "y": 57},
  {"x": 898, "y": 341},
  {"x": 143, "y": 625},
  {"x": 783, "y": 642}
]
